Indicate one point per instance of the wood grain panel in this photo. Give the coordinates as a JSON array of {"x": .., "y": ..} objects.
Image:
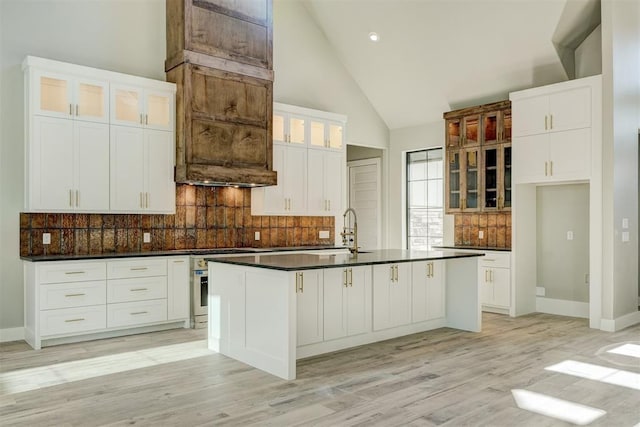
[{"x": 227, "y": 144}]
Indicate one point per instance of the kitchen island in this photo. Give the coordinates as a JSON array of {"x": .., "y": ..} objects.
[{"x": 270, "y": 310}]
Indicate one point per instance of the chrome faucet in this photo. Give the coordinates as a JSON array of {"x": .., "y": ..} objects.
[{"x": 350, "y": 234}]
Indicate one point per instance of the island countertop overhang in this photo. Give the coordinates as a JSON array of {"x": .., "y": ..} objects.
[{"x": 297, "y": 262}]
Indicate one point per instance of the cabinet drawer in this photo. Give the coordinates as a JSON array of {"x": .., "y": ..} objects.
[
  {"x": 136, "y": 313},
  {"x": 136, "y": 268},
  {"x": 77, "y": 294},
  {"x": 72, "y": 320},
  {"x": 125, "y": 290},
  {"x": 64, "y": 272},
  {"x": 495, "y": 259}
]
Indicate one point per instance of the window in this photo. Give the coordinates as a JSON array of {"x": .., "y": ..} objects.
[{"x": 424, "y": 199}]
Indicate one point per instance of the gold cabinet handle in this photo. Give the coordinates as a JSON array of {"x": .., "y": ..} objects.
[
  {"x": 141, "y": 122},
  {"x": 77, "y": 198},
  {"x": 74, "y": 272},
  {"x": 486, "y": 275},
  {"x": 178, "y": 261},
  {"x": 135, "y": 313},
  {"x": 344, "y": 277},
  {"x": 545, "y": 168},
  {"x": 79, "y": 319},
  {"x": 146, "y": 119},
  {"x": 329, "y": 204},
  {"x": 141, "y": 200},
  {"x": 138, "y": 289},
  {"x": 71, "y": 198},
  {"x": 76, "y": 109},
  {"x": 74, "y": 295},
  {"x": 147, "y": 197},
  {"x": 551, "y": 121},
  {"x": 551, "y": 168},
  {"x": 71, "y": 109},
  {"x": 351, "y": 277},
  {"x": 139, "y": 268},
  {"x": 545, "y": 122}
]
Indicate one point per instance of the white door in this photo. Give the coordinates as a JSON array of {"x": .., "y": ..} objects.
[
  {"x": 127, "y": 168},
  {"x": 316, "y": 182},
  {"x": 435, "y": 291},
  {"x": 160, "y": 187},
  {"x": 178, "y": 288},
  {"x": 274, "y": 196},
  {"x": 334, "y": 183},
  {"x": 570, "y": 154},
  {"x": 92, "y": 166},
  {"x": 52, "y": 164},
  {"x": 335, "y": 285},
  {"x": 158, "y": 107},
  {"x": 570, "y": 109},
  {"x": 296, "y": 179},
  {"x": 310, "y": 307},
  {"x": 400, "y": 300},
  {"x": 501, "y": 280},
  {"x": 127, "y": 106},
  {"x": 530, "y": 159},
  {"x": 91, "y": 100},
  {"x": 358, "y": 300},
  {"x": 53, "y": 95},
  {"x": 532, "y": 114},
  {"x": 364, "y": 197}
]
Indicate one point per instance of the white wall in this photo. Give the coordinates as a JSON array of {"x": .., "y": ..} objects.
[
  {"x": 621, "y": 102},
  {"x": 561, "y": 263},
  {"x": 430, "y": 135},
  {"x": 588, "y": 56},
  {"x": 308, "y": 73}
]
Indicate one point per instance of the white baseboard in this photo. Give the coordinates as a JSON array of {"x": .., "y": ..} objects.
[
  {"x": 562, "y": 307},
  {"x": 12, "y": 334},
  {"x": 617, "y": 324}
]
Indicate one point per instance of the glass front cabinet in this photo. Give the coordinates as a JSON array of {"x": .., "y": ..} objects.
[{"x": 478, "y": 159}]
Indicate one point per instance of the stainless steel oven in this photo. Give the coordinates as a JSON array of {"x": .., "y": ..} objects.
[{"x": 199, "y": 292}]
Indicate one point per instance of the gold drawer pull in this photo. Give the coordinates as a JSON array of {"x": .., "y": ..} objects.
[
  {"x": 74, "y": 272},
  {"x": 138, "y": 312},
  {"x": 138, "y": 289},
  {"x": 74, "y": 295},
  {"x": 139, "y": 268},
  {"x": 489, "y": 259},
  {"x": 80, "y": 319},
  {"x": 178, "y": 262}
]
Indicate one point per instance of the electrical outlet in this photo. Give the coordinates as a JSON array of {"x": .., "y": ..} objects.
[
  {"x": 46, "y": 238},
  {"x": 480, "y": 234},
  {"x": 324, "y": 234},
  {"x": 625, "y": 223},
  {"x": 146, "y": 237},
  {"x": 540, "y": 291},
  {"x": 569, "y": 235},
  {"x": 625, "y": 236},
  {"x": 256, "y": 235}
]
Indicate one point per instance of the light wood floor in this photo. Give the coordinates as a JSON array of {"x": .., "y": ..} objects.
[{"x": 443, "y": 377}]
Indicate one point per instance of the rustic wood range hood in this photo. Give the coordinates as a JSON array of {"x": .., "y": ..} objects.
[{"x": 219, "y": 53}]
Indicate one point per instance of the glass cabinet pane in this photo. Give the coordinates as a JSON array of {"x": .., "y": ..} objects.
[
  {"x": 278, "y": 127},
  {"x": 317, "y": 138},
  {"x": 471, "y": 130},
  {"x": 296, "y": 130},
  {"x": 471, "y": 193},
  {"x": 127, "y": 106},
  {"x": 506, "y": 126},
  {"x": 158, "y": 110},
  {"x": 91, "y": 100},
  {"x": 454, "y": 180},
  {"x": 491, "y": 178},
  {"x": 335, "y": 136},
  {"x": 507, "y": 177},
  {"x": 53, "y": 95},
  {"x": 490, "y": 128},
  {"x": 453, "y": 133}
]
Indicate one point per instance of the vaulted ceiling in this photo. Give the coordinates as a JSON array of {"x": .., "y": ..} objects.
[{"x": 438, "y": 55}]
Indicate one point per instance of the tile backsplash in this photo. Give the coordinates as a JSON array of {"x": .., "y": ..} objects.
[
  {"x": 495, "y": 226},
  {"x": 206, "y": 217}
]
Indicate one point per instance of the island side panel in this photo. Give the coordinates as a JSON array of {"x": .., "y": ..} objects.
[
  {"x": 463, "y": 294},
  {"x": 252, "y": 315}
]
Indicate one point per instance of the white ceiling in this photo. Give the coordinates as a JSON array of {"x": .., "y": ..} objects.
[{"x": 438, "y": 55}]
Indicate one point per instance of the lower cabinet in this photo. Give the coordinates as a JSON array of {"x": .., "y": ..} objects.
[
  {"x": 347, "y": 302},
  {"x": 68, "y": 298},
  {"x": 309, "y": 292},
  {"x": 495, "y": 281},
  {"x": 391, "y": 295},
  {"x": 427, "y": 287}
]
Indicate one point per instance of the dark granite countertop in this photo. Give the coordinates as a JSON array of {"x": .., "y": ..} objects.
[
  {"x": 294, "y": 262},
  {"x": 475, "y": 248},
  {"x": 177, "y": 252}
]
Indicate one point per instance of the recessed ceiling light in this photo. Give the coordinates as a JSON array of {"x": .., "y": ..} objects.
[{"x": 374, "y": 37}]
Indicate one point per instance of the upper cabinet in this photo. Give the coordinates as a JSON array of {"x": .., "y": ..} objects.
[
  {"x": 554, "y": 127},
  {"x": 135, "y": 106},
  {"x": 478, "y": 158},
  {"x": 309, "y": 154},
  {"x": 69, "y": 115}
]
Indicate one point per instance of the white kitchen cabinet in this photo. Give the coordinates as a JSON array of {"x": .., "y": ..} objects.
[
  {"x": 326, "y": 134},
  {"x": 289, "y": 196},
  {"x": 309, "y": 292},
  {"x": 560, "y": 110},
  {"x": 495, "y": 280},
  {"x": 289, "y": 128},
  {"x": 347, "y": 302},
  {"x": 67, "y": 299},
  {"x": 428, "y": 293},
  {"x": 141, "y": 107},
  {"x": 391, "y": 295},
  {"x": 141, "y": 170},
  {"x": 325, "y": 171},
  {"x": 69, "y": 97},
  {"x": 553, "y": 157}
]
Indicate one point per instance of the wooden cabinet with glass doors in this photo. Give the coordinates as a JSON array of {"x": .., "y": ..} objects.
[{"x": 478, "y": 160}]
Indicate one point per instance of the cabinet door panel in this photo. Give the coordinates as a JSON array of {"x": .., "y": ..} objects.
[
  {"x": 570, "y": 154},
  {"x": 92, "y": 100},
  {"x": 335, "y": 280},
  {"x": 159, "y": 110},
  {"x": 336, "y": 136},
  {"x": 178, "y": 288},
  {"x": 382, "y": 276},
  {"x": 127, "y": 172},
  {"x": 296, "y": 179},
  {"x": 274, "y": 196},
  {"x": 501, "y": 279},
  {"x": 530, "y": 154},
  {"x": 419, "y": 279},
  {"x": 333, "y": 178},
  {"x": 126, "y": 106},
  {"x": 53, "y": 95},
  {"x": 92, "y": 148},
  {"x": 486, "y": 286},
  {"x": 531, "y": 113},
  {"x": 358, "y": 300},
  {"x": 317, "y": 134},
  {"x": 316, "y": 183},
  {"x": 310, "y": 308},
  {"x": 435, "y": 291},
  {"x": 401, "y": 295},
  {"x": 570, "y": 109},
  {"x": 52, "y": 161},
  {"x": 158, "y": 164}
]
